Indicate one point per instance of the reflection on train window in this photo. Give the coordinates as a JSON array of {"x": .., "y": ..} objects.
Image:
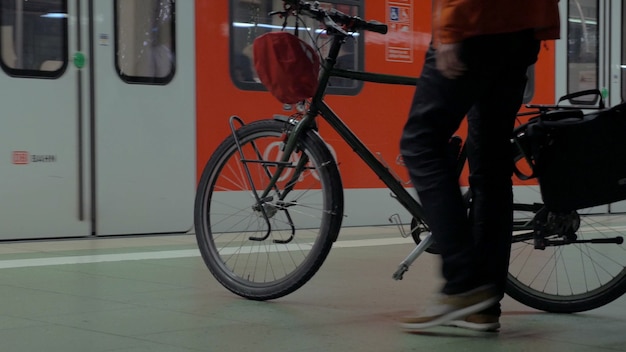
[
  {"x": 582, "y": 47},
  {"x": 33, "y": 38},
  {"x": 250, "y": 19},
  {"x": 144, "y": 32}
]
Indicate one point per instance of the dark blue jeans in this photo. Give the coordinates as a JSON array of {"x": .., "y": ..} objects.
[{"x": 475, "y": 245}]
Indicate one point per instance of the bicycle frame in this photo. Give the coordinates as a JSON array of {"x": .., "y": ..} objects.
[{"x": 319, "y": 107}]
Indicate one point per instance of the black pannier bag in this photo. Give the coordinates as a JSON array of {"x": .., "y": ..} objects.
[{"x": 580, "y": 160}]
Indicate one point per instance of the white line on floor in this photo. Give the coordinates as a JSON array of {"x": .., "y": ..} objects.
[
  {"x": 98, "y": 258},
  {"x": 102, "y": 258}
]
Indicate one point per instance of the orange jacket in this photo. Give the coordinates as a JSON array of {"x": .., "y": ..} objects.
[{"x": 455, "y": 20}]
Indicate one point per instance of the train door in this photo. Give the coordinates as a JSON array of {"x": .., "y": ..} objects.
[
  {"x": 589, "y": 56},
  {"x": 592, "y": 54},
  {"x": 43, "y": 178},
  {"x": 617, "y": 62},
  {"x": 97, "y": 117},
  {"x": 143, "y": 116}
]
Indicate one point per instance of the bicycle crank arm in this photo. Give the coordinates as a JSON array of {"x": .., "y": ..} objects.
[{"x": 419, "y": 249}]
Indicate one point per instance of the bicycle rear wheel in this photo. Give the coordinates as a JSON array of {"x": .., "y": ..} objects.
[
  {"x": 268, "y": 248},
  {"x": 567, "y": 278}
]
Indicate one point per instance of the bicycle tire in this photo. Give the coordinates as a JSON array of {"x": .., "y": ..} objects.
[
  {"x": 567, "y": 278},
  {"x": 230, "y": 224}
]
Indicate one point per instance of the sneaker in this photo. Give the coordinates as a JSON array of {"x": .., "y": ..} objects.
[
  {"x": 452, "y": 307},
  {"x": 478, "y": 322}
]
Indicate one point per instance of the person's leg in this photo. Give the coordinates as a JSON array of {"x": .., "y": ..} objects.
[
  {"x": 437, "y": 110},
  {"x": 490, "y": 124},
  {"x": 438, "y": 107}
]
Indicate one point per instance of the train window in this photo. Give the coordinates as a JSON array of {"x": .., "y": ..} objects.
[
  {"x": 33, "y": 38},
  {"x": 144, "y": 32},
  {"x": 250, "y": 19},
  {"x": 529, "y": 89},
  {"x": 582, "y": 47}
]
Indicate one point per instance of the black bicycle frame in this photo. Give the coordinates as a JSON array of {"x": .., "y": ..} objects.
[{"x": 319, "y": 107}]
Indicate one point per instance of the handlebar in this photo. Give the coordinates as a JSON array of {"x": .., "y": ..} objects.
[
  {"x": 332, "y": 19},
  {"x": 556, "y": 109}
]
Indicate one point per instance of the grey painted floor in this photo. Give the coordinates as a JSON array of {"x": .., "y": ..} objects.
[{"x": 155, "y": 294}]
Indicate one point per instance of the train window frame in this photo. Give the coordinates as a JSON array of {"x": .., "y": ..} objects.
[
  {"x": 63, "y": 59},
  {"x": 141, "y": 79},
  {"x": 570, "y": 48},
  {"x": 250, "y": 85},
  {"x": 623, "y": 54}
]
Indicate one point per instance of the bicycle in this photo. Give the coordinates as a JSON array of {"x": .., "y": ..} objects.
[{"x": 269, "y": 205}]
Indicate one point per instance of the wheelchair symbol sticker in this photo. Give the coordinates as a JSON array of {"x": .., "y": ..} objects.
[
  {"x": 394, "y": 13},
  {"x": 399, "y": 42}
]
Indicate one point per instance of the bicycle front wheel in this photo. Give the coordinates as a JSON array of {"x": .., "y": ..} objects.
[
  {"x": 575, "y": 274},
  {"x": 266, "y": 248}
]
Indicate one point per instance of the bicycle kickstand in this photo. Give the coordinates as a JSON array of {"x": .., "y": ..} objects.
[{"x": 419, "y": 249}]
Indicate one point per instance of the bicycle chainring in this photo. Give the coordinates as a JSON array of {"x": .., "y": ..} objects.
[{"x": 550, "y": 226}]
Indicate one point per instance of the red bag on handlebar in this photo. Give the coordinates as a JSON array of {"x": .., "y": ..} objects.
[{"x": 287, "y": 66}]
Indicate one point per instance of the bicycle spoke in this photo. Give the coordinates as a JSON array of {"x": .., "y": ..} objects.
[{"x": 589, "y": 274}]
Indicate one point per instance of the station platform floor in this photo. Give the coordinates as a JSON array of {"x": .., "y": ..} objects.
[{"x": 154, "y": 293}]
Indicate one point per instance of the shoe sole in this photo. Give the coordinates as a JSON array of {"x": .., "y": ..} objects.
[
  {"x": 484, "y": 327},
  {"x": 454, "y": 315}
]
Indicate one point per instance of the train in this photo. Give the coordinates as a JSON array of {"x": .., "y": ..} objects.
[{"x": 111, "y": 108}]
